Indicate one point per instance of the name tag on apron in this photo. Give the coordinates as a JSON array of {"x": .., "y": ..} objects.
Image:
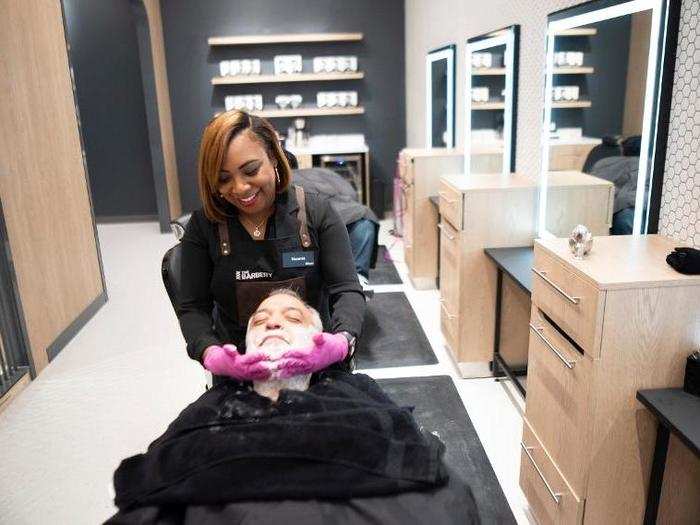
[{"x": 297, "y": 259}]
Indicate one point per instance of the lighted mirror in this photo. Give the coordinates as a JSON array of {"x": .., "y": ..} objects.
[
  {"x": 609, "y": 73},
  {"x": 490, "y": 102},
  {"x": 440, "y": 97}
]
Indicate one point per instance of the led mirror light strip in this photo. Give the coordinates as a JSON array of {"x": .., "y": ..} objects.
[
  {"x": 651, "y": 97},
  {"x": 447, "y": 53}
]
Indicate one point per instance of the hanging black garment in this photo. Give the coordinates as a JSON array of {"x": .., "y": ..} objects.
[{"x": 342, "y": 438}]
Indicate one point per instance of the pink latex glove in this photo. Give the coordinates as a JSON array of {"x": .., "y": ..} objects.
[
  {"x": 327, "y": 349},
  {"x": 226, "y": 361}
]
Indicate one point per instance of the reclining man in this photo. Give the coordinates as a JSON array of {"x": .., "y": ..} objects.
[{"x": 331, "y": 443}]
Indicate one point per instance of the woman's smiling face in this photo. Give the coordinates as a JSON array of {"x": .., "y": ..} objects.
[{"x": 247, "y": 176}]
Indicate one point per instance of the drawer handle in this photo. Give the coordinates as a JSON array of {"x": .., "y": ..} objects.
[
  {"x": 538, "y": 331},
  {"x": 555, "y": 495},
  {"x": 447, "y": 312},
  {"x": 543, "y": 275},
  {"x": 444, "y": 196},
  {"x": 444, "y": 230}
]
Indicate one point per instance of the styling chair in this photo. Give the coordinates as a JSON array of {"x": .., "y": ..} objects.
[
  {"x": 610, "y": 147},
  {"x": 170, "y": 270}
]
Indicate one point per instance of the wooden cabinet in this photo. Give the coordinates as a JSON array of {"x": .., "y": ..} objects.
[
  {"x": 601, "y": 329},
  {"x": 479, "y": 211},
  {"x": 573, "y": 198},
  {"x": 420, "y": 171}
]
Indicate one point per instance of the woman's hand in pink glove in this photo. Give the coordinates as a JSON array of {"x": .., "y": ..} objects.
[
  {"x": 327, "y": 349},
  {"x": 226, "y": 361}
]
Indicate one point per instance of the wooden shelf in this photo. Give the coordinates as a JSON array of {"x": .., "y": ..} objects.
[
  {"x": 488, "y": 71},
  {"x": 296, "y": 77},
  {"x": 562, "y": 104},
  {"x": 305, "y": 111},
  {"x": 488, "y": 105},
  {"x": 283, "y": 39},
  {"x": 577, "y": 31},
  {"x": 578, "y": 70}
]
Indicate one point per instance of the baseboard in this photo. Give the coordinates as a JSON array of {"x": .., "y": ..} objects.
[
  {"x": 111, "y": 219},
  {"x": 72, "y": 329},
  {"x": 14, "y": 390}
]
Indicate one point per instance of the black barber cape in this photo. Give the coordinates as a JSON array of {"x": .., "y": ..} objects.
[
  {"x": 209, "y": 312},
  {"x": 342, "y": 438}
]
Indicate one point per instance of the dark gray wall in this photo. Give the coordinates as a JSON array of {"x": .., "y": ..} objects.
[
  {"x": 105, "y": 58},
  {"x": 191, "y": 65},
  {"x": 608, "y": 53}
]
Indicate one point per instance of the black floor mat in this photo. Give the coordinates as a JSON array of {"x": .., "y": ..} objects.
[
  {"x": 438, "y": 408},
  {"x": 392, "y": 335},
  {"x": 384, "y": 272}
]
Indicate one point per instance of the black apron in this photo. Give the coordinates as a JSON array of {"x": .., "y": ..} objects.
[{"x": 259, "y": 267}]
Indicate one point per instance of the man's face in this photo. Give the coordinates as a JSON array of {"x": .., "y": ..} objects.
[{"x": 279, "y": 323}]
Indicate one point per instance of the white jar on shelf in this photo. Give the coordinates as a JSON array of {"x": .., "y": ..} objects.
[{"x": 224, "y": 68}]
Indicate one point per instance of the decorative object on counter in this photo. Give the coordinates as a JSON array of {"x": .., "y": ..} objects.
[
  {"x": 580, "y": 242},
  {"x": 334, "y": 63},
  {"x": 685, "y": 260},
  {"x": 288, "y": 100},
  {"x": 330, "y": 99},
  {"x": 301, "y": 135},
  {"x": 247, "y": 102},
  {"x": 287, "y": 64},
  {"x": 480, "y": 94},
  {"x": 691, "y": 383},
  {"x": 482, "y": 60}
]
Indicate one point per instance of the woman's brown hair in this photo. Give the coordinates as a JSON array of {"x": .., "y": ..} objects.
[{"x": 218, "y": 134}]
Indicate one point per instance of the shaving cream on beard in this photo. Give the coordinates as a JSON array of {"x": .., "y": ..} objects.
[{"x": 271, "y": 387}]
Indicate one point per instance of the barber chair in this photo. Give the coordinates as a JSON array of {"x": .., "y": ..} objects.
[
  {"x": 170, "y": 271},
  {"x": 610, "y": 147}
]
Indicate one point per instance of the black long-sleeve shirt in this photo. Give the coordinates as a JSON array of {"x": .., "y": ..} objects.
[{"x": 207, "y": 294}]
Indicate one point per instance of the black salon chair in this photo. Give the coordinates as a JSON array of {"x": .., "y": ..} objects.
[{"x": 610, "y": 147}]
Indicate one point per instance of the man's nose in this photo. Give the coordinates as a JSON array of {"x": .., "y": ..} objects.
[{"x": 273, "y": 323}]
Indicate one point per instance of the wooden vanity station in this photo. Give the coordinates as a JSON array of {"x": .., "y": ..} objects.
[
  {"x": 601, "y": 329},
  {"x": 479, "y": 211},
  {"x": 574, "y": 198},
  {"x": 420, "y": 171}
]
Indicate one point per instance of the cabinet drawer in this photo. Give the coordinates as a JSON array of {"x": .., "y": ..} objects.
[
  {"x": 451, "y": 204},
  {"x": 449, "y": 267},
  {"x": 449, "y": 324},
  {"x": 557, "y": 408},
  {"x": 550, "y": 498},
  {"x": 573, "y": 304}
]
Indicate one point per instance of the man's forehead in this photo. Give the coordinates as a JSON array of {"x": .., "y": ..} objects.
[{"x": 282, "y": 302}]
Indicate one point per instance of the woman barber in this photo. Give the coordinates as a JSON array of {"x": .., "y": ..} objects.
[{"x": 255, "y": 233}]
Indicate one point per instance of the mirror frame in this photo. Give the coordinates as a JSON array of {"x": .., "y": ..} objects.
[
  {"x": 447, "y": 52},
  {"x": 657, "y": 96},
  {"x": 510, "y": 37}
]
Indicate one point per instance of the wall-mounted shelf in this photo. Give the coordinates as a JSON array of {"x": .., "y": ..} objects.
[
  {"x": 488, "y": 71},
  {"x": 488, "y": 105},
  {"x": 563, "y": 104},
  {"x": 578, "y": 70},
  {"x": 296, "y": 77},
  {"x": 577, "y": 31},
  {"x": 308, "y": 111},
  {"x": 283, "y": 39}
]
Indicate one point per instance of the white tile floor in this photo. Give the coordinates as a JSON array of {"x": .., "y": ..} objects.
[{"x": 125, "y": 376}]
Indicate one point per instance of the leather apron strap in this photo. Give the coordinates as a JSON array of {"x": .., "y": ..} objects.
[
  {"x": 225, "y": 243},
  {"x": 301, "y": 216}
]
